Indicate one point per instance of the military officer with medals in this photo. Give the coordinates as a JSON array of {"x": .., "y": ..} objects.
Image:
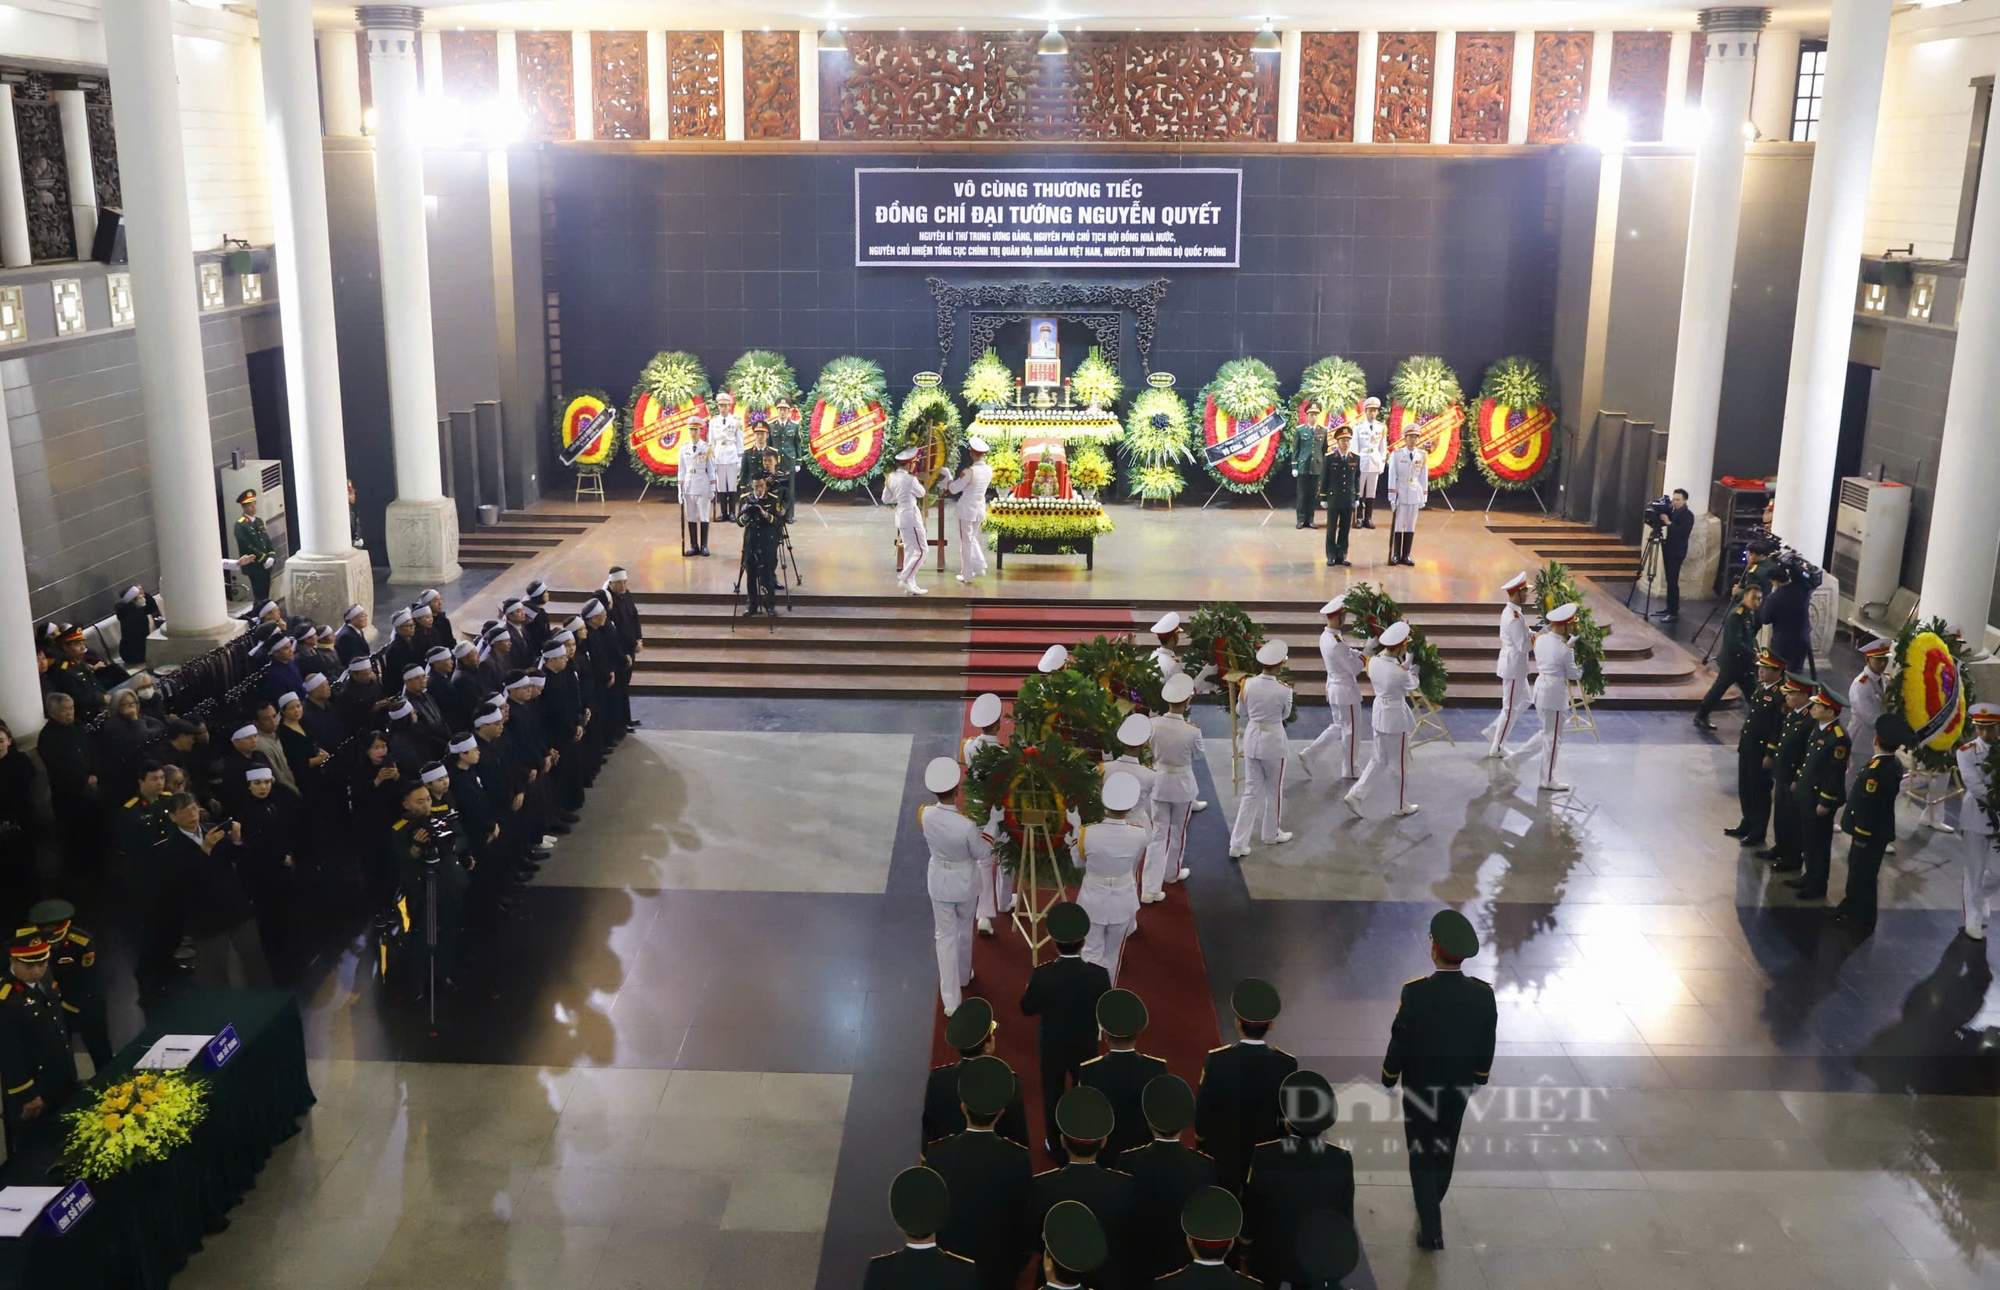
[
  {"x": 1371, "y": 452},
  {"x": 1063, "y": 993},
  {"x": 1298, "y": 1181},
  {"x": 1167, "y": 1173},
  {"x": 256, "y": 555},
  {"x": 1309, "y": 468},
  {"x": 956, "y": 850},
  {"x": 1866, "y": 695},
  {"x": 1263, "y": 702},
  {"x": 1122, "y": 1073},
  {"x": 971, "y": 1031},
  {"x": 1819, "y": 790},
  {"x": 782, "y": 433},
  {"x": 1790, "y": 753},
  {"x": 73, "y": 970},
  {"x": 72, "y": 674},
  {"x": 1237, "y": 1104},
  {"x": 37, "y": 1072},
  {"x": 1870, "y": 820},
  {"x": 1211, "y": 1221},
  {"x": 1762, "y": 725},
  {"x": 695, "y": 476},
  {"x": 1342, "y": 489},
  {"x": 1409, "y": 490},
  {"x": 921, "y": 1205},
  {"x": 1440, "y": 1048},
  {"x": 1084, "y": 1118},
  {"x": 986, "y": 1172}
]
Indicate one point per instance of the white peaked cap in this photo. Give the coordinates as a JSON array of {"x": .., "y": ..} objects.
[
  {"x": 1563, "y": 613},
  {"x": 1053, "y": 659},
  {"x": 977, "y": 444},
  {"x": 1272, "y": 653},
  {"x": 1394, "y": 634},
  {"x": 985, "y": 711},
  {"x": 244, "y": 732},
  {"x": 908, "y": 454},
  {"x": 1371, "y": 402},
  {"x": 1169, "y": 622},
  {"x": 1135, "y": 730},
  {"x": 942, "y": 775},
  {"x": 1337, "y": 605},
  {"x": 1121, "y": 792},
  {"x": 1984, "y": 712},
  {"x": 1515, "y": 583},
  {"x": 1178, "y": 689}
]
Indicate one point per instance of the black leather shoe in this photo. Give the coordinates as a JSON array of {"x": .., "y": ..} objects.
[
  {"x": 1788, "y": 866},
  {"x": 1738, "y": 832},
  {"x": 1768, "y": 853},
  {"x": 1749, "y": 841},
  {"x": 1703, "y": 723},
  {"x": 1810, "y": 894},
  {"x": 1430, "y": 1242}
]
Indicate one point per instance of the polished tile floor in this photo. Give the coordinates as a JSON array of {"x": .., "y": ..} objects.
[{"x": 697, "y": 1058}]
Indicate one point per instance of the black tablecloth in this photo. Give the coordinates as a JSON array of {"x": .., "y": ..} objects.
[{"x": 148, "y": 1221}]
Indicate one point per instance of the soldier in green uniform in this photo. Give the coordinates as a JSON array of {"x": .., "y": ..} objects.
[
  {"x": 1757, "y": 573},
  {"x": 1342, "y": 486},
  {"x": 1737, "y": 658},
  {"x": 1299, "y": 1181},
  {"x": 73, "y": 675},
  {"x": 1236, "y": 1106},
  {"x": 416, "y": 852},
  {"x": 1211, "y": 1221},
  {"x": 920, "y": 1204},
  {"x": 973, "y": 1033},
  {"x": 1762, "y": 725},
  {"x": 1819, "y": 791},
  {"x": 1870, "y": 819},
  {"x": 37, "y": 1072},
  {"x": 1122, "y": 1073},
  {"x": 1308, "y": 464},
  {"x": 1167, "y": 1172},
  {"x": 1786, "y": 757},
  {"x": 782, "y": 434},
  {"x": 989, "y": 1177},
  {"x": 73, "y": 970},
  {"x": 1084, "y": 1118},
  {"x": 1074, "y": 1247},
  {"x": 1440, "y": 1046},
  {"x": 255, "y": 553}
]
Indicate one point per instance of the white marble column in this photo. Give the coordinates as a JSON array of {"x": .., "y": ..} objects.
[
  {"x": 75, "y": 117},
  {"x": 1367, "y": 57},
  {"x": 139, "y": 49},
  {"x": 422, "y": 522},
  {"x": 732, "y": 85},
  {"x": 1959, "y": 559},
  {"x": 340, "y": 83},
  {"x": 656, "y": 84},
  {"x": 1714, "y": 215},
  {"x": 582, "y": 72},
  {"x": 1288, "y": 86},
  {"x": 16, "y": 252},
  {"x": 1523, "y": 91},
  {"x": 808, "y": 86},
  {"x": 327, "y": 574},
  {"x": 20, "y": 683},
  {"x": 1444, "y": 71},
  {"x": 1830, "y": 271},
  {"x": 1775, "y": 89}
]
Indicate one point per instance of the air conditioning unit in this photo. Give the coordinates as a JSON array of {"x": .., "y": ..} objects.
[
  {"x": 1869, "y": 530},
  {"x": 268, "y": 478}
]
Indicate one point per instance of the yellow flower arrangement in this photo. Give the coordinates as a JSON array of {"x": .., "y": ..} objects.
[{"x": 143, "y": 1119}]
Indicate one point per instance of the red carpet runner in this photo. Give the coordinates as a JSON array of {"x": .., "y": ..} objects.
[{"x": 1162, "y": 963}]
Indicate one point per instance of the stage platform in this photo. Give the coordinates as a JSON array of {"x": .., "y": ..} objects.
[{"x": 850, "y": 632}]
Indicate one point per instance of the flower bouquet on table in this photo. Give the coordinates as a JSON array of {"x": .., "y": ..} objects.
[
  {"x": 1370, "y": 611},
  {"x": 1554, "y": 586},
  {"x": 1243, "y": 396},
  {"x": 1070, "y": 705},
  {"x": 1157, "y": 431},
  {"x": 1514, "y": 428},
  {"x": 1035, "y": 779},
  {"x": 1426, "y": 402},
  {"x": 1065, "y": 519},
  {"x": 850, "y": 426},
  {"x": 1128, "y": 672},
  {"x": 145, "y": 1118},
  {"x": 1006, "y": 465},
  {"x": 1930, "y": 693},
  {"x": 1096, "y": 382},
  {"x": 670, "y": 399},
  {"x": 1091, "y": 471}
]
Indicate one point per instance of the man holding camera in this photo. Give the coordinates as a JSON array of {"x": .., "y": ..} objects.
[
  {"x": 1671, "y": 528},
  {"x": 762, "y": 516}
]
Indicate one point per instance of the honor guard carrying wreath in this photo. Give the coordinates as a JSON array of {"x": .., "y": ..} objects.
[
  {"x": 1555, "y": 668},
  {"x": 1342, "y": 735},
  {"x": 1177, "y": 746},
  {"x": 1517, "y": 643},
  {"x": 1135, "y": 733},
  {"x": 1386, "y": 776},
  {"x": 1371, "y": 451},
  {"x": 1109, "y": 853},
  {"x": 1263, "y": 702},
  {"x": 956, "y": 850},
  {"x": 1866, "y": 694},
  {"x": 970, "y": 489},
  {"x": 905, "y": 492},
  {"x": 996, "y": 885}
]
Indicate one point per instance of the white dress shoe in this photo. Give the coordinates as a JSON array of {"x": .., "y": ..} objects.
[
  {"x": 915, "y": 590},
  {"x": 1975, "y": 933},
  {"x": 1552, "y": 788},
  {"x": 1237, "y": 853},
  {"x": 1200, "y": 805},
  {"x": 1280, "y": 839},
  {"x": 950, "y": 1010},
  {"x": 1182, "y": 876},
  {"x": 1407, "y": 810},
  {"x": 986, "y": 927}
]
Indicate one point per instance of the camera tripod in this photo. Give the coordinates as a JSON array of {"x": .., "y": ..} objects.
[
  {"x": 1649, "y": 569},
  {"x": 787, "y": 560}
]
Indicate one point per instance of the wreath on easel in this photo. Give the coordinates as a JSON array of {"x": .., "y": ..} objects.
[
  {"x": 1070, "y": 706},
  {"x": 1425, "y": 401},
  {"x": 670, "y": 399},
  {"x": 587, "y": 432},
  {"x": 1330, "y": 394},
  {"x": 1221, "y": 634},
  {"x": 1514, "y": 429},
  {"x": 1369, "y": 612},
  {"x": 849, "y": 427},
  {"x": 1243, "y": 395},
  {"x": 1127, "y": 671},
  {"x": 1038, "y": 779},
  {"x": 1931, "y": 693}
]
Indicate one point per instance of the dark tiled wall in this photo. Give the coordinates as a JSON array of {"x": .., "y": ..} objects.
[
  {"x": 79, "y": 441},
  {"x": 1374, "y": 258},
  {"x": 1906, "y": 427}
]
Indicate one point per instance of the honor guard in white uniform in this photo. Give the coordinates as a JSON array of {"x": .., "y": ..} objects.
[
  {"x": 1555, "y": 668},
  {"x": 1264, "y": 702},
  {"x": 1109, "y": 853},
  {"x": 970, "y": 489},
  {"x": 1134, "y": 733},
  {"x": 1054, "y": 659},
  {"x": 1168, "y": 632},
  {"x": 1865, "y": 695},
  {"x": 725, "y": 452},
  {"x": 1371, "y": 445},
  {"x": 957, "y": 850},
  {"x": 1343, "y": 694},
  {"x": 996, "y": 888},
  {"x": 1409, "y": 488},
  {"x": 1177, "y": 744},
  {"x": 1976, "y": 847},
  {"x": 1517, "y": 645},
  {"x": 697, "y": 485},
  {"x": 905, "y": 492},
  {"x": 1386, "y": 777}
]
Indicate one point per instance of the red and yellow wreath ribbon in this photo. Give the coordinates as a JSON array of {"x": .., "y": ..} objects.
[
  {"x": 847, "y": 444},
  {"x": 1253, "y": 463},
  {"x": 1441, "y": 435},
  {"x": 658, "y": 432},
  {"x": 582, "y": 410},
  {"x": 1933, "y": 693},
  {"x": 1514, "y": 443}
]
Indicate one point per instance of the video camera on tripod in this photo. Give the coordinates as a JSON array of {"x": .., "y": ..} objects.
[
  {"x": 1783, "y": 556},
  {"x": 1654, "y": 515}
]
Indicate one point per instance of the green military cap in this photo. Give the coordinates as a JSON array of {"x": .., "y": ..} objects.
[
  {"x": 970, "y": 1024},
  {"x": 1306, "y": 1101},
  {"x": 247, "y": 495},
  {"x": 985, "y": 1086},
  {"x": 1120, "y": 1013},
  {"x": 1327, "y": 1247},
  {"x": 1168, "y": 1104},
  {"x": 1067, "y": 922},
  {"x": 1073, "y": 1236},
  {"x": 1452, "y": 933},
  {"x": 46, "y": 912},
  {"x": 1800, "y": 683},
  {"x": 1212, "y": 1214},
  {"x": 1254, "y": 1001},
  {"x": 918, "y": 1201},
  {"x": 1085, "y": 1114}
]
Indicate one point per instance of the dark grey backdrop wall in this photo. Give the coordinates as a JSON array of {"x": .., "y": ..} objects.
[{"x": 1368, "y": 256}]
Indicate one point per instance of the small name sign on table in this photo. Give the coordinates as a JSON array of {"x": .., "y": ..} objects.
[
  {"x": 64, "y": 1211},
  {"x": 221, "y": 1048}
]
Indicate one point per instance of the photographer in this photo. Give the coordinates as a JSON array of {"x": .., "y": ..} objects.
[
  {"x": 1672, "y": 523},
  {"x": 1788, "y": 611},
  {"x": 217, "y": 911},
  {"x": 763, "y": 519},
  {"x": 423, "y": 850}
]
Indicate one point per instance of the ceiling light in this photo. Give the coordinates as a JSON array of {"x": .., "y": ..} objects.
[
  {"x": 832, "y": 41},
  {"x": 1053, "y": 43},
  {"x": 1267, "y": 41}
]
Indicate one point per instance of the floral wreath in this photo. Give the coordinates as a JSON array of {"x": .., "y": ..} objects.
[
  {"x": 1931, "y": 693},
  {"x": 1514, "y": 428},
  {"x": 584, "y": 407},
  {"x": 1425, "y": 400},
  {"x": 1554, "y": 586},
  {"x": 849, "y": 427},
  {"x": 1244, "y": 391},
  {"x": 669, "y": 400},
  {"x": 1330, "y": 394},
  {"x": 1369, "y": 613},
  {"x": 1127, "y": 671},
  {"x": 1156, "y": 442},
  {"x": 1045, "y": 774}
]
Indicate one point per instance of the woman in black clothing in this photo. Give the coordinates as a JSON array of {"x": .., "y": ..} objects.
[
  {"x": 273, "y": 867},
  {"x": 125, "y": 734},
  {"x": 375, "y": 798}
]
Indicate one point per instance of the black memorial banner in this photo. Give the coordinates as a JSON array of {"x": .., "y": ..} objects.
[
  {"x": 1224, "y": 449},
  {"x": 1057, "y": 218}
]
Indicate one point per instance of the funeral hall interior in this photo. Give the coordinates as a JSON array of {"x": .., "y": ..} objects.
[{"x": 586, "y": 586}]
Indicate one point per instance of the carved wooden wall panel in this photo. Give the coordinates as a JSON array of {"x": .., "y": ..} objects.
[
  {"x": 1191, "y": 86},
  {"x": 1405, "y": 63},
  {"x": 618, "y": 103},
  {"x": 471, "y": 65},
  {"x": 770, "y": 85},
  {"x": 548, "y": 83},
  {"x": 103, "y": 145},
  {"x": 1559, "y": 86},
  {"x": 1482, "y": 86},
  {"x": 1328, "y": 67},
  {"x": 694, "y": 85},
  {"x": 44, "y": 169},
  {"x": 929, "y": 85},
  {"x": 1639, "y": 82},
  {"x": 1697, "y": 66}
]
